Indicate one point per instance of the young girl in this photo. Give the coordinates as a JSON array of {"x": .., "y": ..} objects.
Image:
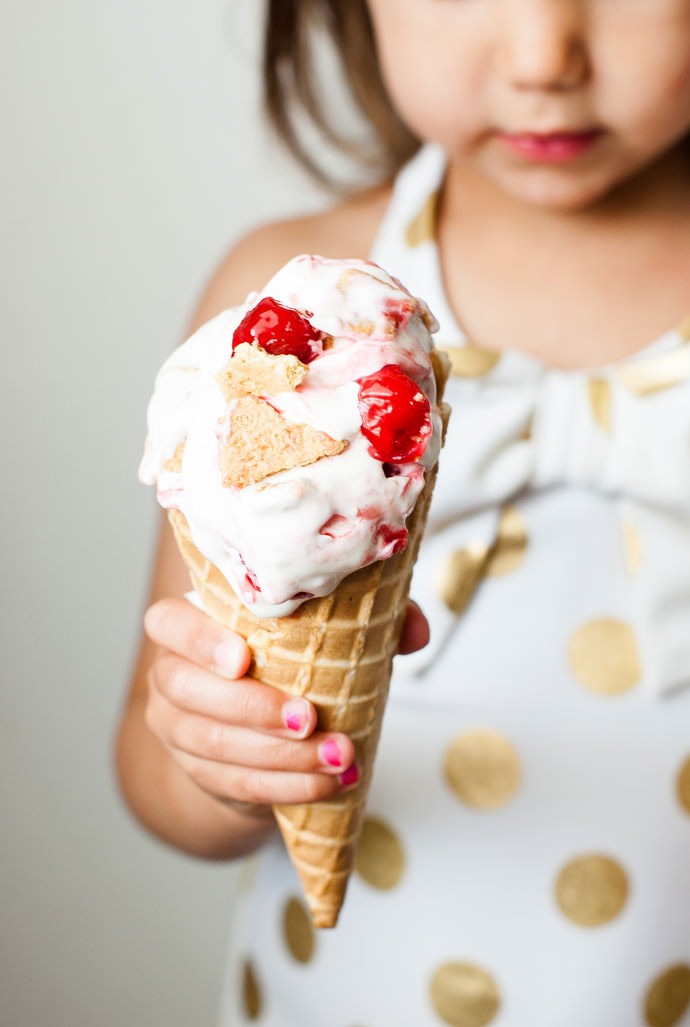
[{"x": 525, "y": 857}]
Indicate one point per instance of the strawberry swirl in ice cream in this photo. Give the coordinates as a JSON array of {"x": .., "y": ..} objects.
[{"x": 293, "y": 433}]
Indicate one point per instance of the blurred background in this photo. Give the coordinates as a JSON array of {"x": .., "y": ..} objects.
[{"x": 134, "y": 156}]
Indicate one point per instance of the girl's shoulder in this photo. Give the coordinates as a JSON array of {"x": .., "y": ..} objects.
[{"x": 345, "y": 230}]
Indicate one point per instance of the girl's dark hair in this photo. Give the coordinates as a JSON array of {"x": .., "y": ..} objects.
[{"x": 294, "y": 28}]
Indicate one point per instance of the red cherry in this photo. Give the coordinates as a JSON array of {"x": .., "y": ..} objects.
[
  {"x": 396, "y": 417},
  {"x": 278, "y": 329}
]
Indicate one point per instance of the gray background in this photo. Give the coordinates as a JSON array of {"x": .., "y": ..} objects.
[{"x": 133, "y": 156}]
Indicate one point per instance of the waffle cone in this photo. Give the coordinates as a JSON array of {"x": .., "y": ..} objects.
[{"x": 337, "y": 652}]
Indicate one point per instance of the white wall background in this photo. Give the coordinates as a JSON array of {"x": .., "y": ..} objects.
[{"x": 132, "y": 158}]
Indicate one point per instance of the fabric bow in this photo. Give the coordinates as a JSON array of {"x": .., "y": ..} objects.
[{"x": 518, "y": 427}]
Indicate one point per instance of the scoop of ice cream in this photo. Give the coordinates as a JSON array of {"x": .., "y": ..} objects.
[{"x": 293, "y": 432}]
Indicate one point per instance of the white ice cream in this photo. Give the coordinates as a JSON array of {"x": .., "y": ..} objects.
[{"x": 298, "y": 532}]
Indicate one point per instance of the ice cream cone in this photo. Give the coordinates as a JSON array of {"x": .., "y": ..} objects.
[
  {"x": 337, "y": 652},
  {"x": 293, "y": 441}
]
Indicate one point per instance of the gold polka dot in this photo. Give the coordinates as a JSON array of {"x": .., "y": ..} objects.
[
  {"x": 251, "y": 993},
  {"x": 482, "y": 768},
  {"x": 600, "y": 401},
  {"x": 298, "y": 930},
  {"x": 510, "y": 547},
  {"x": 632, "y": 547},
  {"x": 683, "y": 785},
  {"x": 603, "y": 656},
  {"x": 380, "y": 858},
  {"x": 459, "y": 575},
  {"x": 591, "y": 890},
  {"x": 668, "y": 997},
  {"x": 526, "y": 433},
  {"x": 470, "y": 361},
  {"x": 423, "y": 227},
  {"x": 464, "y": 995}
]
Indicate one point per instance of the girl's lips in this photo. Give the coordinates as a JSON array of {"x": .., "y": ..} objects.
[{"x": 551, "y": 148}]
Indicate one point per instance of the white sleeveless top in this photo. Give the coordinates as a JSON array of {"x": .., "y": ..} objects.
[{"x": 526, "y": 857}]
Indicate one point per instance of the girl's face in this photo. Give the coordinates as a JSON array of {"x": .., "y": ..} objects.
[{"x": 555, "y": 101}]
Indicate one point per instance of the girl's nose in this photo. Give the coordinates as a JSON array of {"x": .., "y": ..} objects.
[{"x": 544, "y": 44}]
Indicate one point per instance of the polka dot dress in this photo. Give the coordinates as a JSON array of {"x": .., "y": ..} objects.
[{"x": 526, "y": 854}]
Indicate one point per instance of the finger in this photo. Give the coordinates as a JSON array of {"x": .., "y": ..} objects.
[
  {"x": 243, "y": 702},
  {"x": 330, "y": 753},
  {"x": 214, "y": 739},
  {"x": 415, "y": 633},
  {"x": 260, "y": 787},
  {"x": 179, "y": 626}
]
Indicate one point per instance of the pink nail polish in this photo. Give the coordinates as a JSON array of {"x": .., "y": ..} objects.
[
  {"x": 350, "y": 776},
  {"x": 329, "y": 752},
  {"x": 294, "y": 715}
]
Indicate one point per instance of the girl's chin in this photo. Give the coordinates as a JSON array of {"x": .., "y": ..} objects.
[{"x": 552, "y": 189}]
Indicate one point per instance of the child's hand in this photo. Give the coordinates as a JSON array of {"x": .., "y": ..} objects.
[
  {"x": 236, "y": 738},
  {"x": 415, "y": 632}
]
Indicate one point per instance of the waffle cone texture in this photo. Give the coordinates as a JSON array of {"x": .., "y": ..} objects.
[{"x": 336, "y": 651}]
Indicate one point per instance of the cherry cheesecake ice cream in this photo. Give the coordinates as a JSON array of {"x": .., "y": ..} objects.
[{"x": 294, "y": 433}]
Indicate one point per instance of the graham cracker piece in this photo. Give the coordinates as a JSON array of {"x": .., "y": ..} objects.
[
  {"x": 263, "y": 442},
  {"x": 361, "y": 327},
  {"x": 343, "y": 283},
  {"x": 251, "y": 371},
  {"x": 175, "y": 461}
]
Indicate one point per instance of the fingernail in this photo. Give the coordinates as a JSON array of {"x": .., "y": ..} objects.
[
  {"x": 350, "y": 777},
  {"x": 330, "y": 754},
  {"x": 227, "y": 656},
  {"x": 295, "y": 715}
]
